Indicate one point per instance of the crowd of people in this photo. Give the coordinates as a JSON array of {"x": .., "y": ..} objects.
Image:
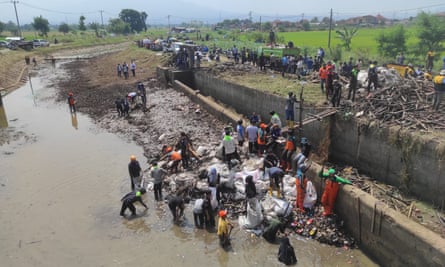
[
  {"x": 123, "y": 70},
  {"x": 278, "y": 161}
]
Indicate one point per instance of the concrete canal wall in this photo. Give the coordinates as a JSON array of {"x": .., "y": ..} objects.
[{"x": 386, "y": 235}]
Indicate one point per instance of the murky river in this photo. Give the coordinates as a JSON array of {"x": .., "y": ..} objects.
[{"x": 60, "y": 187}]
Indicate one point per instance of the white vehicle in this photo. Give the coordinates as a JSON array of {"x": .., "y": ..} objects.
[{"x": 15, "y": 38}]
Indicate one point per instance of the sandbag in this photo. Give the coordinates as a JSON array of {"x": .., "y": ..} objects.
[
  {"x": 254, "y": 215},
  {"x": 282, "y": 207}
]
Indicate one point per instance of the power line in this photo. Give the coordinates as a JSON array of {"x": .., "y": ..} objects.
[{"x": 58, "y": 12}]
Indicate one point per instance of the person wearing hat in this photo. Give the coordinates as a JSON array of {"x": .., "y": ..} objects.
[
  {"x": 129, "y": 199},
  {"x": 305, "y": 147},
  {"x": 330, "y": 191},
  {"x": 134, "y": 169},
  {"x": 158, "y": 175},
  {"x": 439, "y": 89},
  {"x": 71, "y": 102},
  {"x": 223, "y": 229}
]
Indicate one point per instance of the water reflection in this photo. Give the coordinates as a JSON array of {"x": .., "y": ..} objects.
[
  {"x": 74, "y": 122},
  {"x": 3, "y": 119}
]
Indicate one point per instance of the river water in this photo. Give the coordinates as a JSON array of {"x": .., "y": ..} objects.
[{"x": 61, "y": 181}]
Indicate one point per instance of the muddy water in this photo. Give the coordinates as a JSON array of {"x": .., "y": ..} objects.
[{"x": 60, "y": 183}]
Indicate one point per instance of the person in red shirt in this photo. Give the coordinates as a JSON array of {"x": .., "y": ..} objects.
[
  {"x": 323, "y": 74},
  {"x": 71, "y": 102}
]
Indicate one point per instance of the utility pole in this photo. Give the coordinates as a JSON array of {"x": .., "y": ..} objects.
[
  {"x": 101, "y": 17},
  {"x": 260, "y": 25},
  {"x": 168, "y": 17},
  {"x": 330, "y": 29},
  {"x": 17, "y": 17}
]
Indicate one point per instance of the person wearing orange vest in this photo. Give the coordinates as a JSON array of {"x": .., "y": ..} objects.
[
  {"x": 323, "y": 74},
  {"x": 71, "y": 102},
  {"x": 330, "y": 191},
  {"x": 289, "y": 150},
  {"x": 261, "y": 139},
  {"x": 176, "y": 157},
  {"x": 439, "y": 89}
]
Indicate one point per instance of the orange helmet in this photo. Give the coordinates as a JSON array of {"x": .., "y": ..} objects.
[
  {"x": 132, "y": 157},
  {"x": 222, "y": 213},
  {"x": 263, "y": 126}
]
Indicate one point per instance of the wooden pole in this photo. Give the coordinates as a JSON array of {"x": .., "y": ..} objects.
[{"x": 330, "y": 29}]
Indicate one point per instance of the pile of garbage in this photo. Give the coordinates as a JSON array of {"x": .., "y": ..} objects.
[{"x": 253, "y": 216}]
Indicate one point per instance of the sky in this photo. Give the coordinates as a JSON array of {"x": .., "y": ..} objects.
[{"x": 210, "y": 11}]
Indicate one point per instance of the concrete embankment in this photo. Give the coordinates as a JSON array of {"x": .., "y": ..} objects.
[{"x": 386, "y": 235}]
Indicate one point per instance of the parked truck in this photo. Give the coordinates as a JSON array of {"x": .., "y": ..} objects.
[{"x": 273, "y": 55}]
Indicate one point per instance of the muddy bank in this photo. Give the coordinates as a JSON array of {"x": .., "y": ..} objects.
[{"x": 169, "y": 112}]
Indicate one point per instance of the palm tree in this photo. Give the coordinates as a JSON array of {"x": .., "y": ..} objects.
[{"x": 346, "y": 36}]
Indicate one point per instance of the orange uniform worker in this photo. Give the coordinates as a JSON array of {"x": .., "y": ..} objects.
[
  {"x": 330, "y": 192},
  {"x": 176, "y": 157},
  {"x": 289, "y": 150},
  {"x": 323, "y": 74}
]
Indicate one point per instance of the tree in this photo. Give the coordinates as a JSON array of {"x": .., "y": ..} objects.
[
  {"x": 82, "y": 23},
  {"x": 95, "y": 27},
  {"x": 144, "y": 17},
  {"x": 133, "y": 18},
  {"x": 431, "y": 32},
  {"x": 2, "y": 26},
  {"x": 325, "y": 20},
  {"x": 390, "y": 43},
  {"x": 65, "y": 28},
  {"x": 11, "y": 27},
  {"x": 267, "y": 26},
  {"x": 306, "y": 25},
  {"x": 118, "y": 26},
  {"x": 314, "y": 20},
  {"x": 41, "y": 25},
  {"x": 346, "y": 37}
]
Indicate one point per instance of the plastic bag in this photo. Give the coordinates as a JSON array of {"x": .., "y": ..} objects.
[
  {"x": 311, "y": 196},
  {"x": 254, "y": 215},
  {"x": 282, "y": 207}
]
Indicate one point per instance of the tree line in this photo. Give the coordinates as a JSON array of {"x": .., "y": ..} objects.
[{"x": 129, "y": 21}]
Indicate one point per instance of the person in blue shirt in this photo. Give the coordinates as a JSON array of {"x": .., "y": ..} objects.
[{"x": 284, "y": 64}]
